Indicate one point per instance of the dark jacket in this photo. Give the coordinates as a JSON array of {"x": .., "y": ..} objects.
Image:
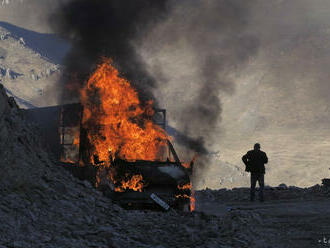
[{"x": 255, "y": 161}]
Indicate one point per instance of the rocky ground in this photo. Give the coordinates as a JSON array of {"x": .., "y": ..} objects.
[
  {"x": 42, "y": 205},
  {"x": 289, "y": 217}
]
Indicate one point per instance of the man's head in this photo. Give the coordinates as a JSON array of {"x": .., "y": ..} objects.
[{"x": 256, "y": 146}]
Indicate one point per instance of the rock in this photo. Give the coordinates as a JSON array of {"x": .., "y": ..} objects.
[
  {"x": 21, "y": 41},
  {"x": 326, "y": 182},
  {"x": 21, "y": 244},
  {"x": 8, "y": 73},
  {"x": 282, "y": 186}
]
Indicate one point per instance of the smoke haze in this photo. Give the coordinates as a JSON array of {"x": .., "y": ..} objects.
[
  {"x": 213, "y": 33},
  {"x": 197, "y": 49},
  {"x": 29, "y": 14},
  {"x": 230, "y": 73},
  {"x": 262, "y": 65}
]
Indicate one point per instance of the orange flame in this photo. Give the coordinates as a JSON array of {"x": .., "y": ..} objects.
[
  {"x": 192, "y": 201},
  {"x": 125, "y": 128},
  {"x": 188, "y": 165},
  {"x": 76, "y": 139},
  {"x": 66, "y": 157},
  {"x": 135, "y": 183},
  {"x": 119, "y": 125},
  {"x": 185, "y": 186},
  {"x": 192, "y": 198}
]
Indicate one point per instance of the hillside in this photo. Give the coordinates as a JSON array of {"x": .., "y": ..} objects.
[
  {"x": 26, "y": 67},
  {"x": 42, "y": 205}
]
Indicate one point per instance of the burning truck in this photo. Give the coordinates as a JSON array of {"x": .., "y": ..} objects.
[{"x": 119, "y": 144}]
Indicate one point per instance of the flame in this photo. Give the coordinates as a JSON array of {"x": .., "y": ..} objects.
[
  {"x": 188, "y": 165},
  {"x": 192, "y": 201},
  {"x": 122, "y": 125},
  {"x": 182, "y": 196},
  {"x": 76, "y": 139},
  {"x": 192, "y": 198},
  {"x": 185, "y": 186},
  {"x": 66, "y": 156},
  {"x": 135, "y": 183},
  {"x": 118, "y": 124}
]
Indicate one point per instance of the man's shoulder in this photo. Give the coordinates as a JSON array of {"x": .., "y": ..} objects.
[{"x": 256, "y": 152}]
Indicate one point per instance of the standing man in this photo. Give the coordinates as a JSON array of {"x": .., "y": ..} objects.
[{"x": 255, "y": 161}]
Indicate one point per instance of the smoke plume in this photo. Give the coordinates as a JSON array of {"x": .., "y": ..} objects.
[
  {"x": 102, "y": 28},
  {"x": 206, "y": 41},
  {"x": 272, "y": 54},
  {"x": 196, "y": 51}
]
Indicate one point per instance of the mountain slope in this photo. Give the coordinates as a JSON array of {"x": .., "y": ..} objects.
[{"x": 26, "y": 74}]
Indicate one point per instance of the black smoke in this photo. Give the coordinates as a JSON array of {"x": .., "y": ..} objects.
[
  {"x": 214, "y": 31},
  {"x": 107, "y": 28}
]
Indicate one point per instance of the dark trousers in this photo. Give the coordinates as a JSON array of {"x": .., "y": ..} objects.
[{"x": 254, "y": 178}]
